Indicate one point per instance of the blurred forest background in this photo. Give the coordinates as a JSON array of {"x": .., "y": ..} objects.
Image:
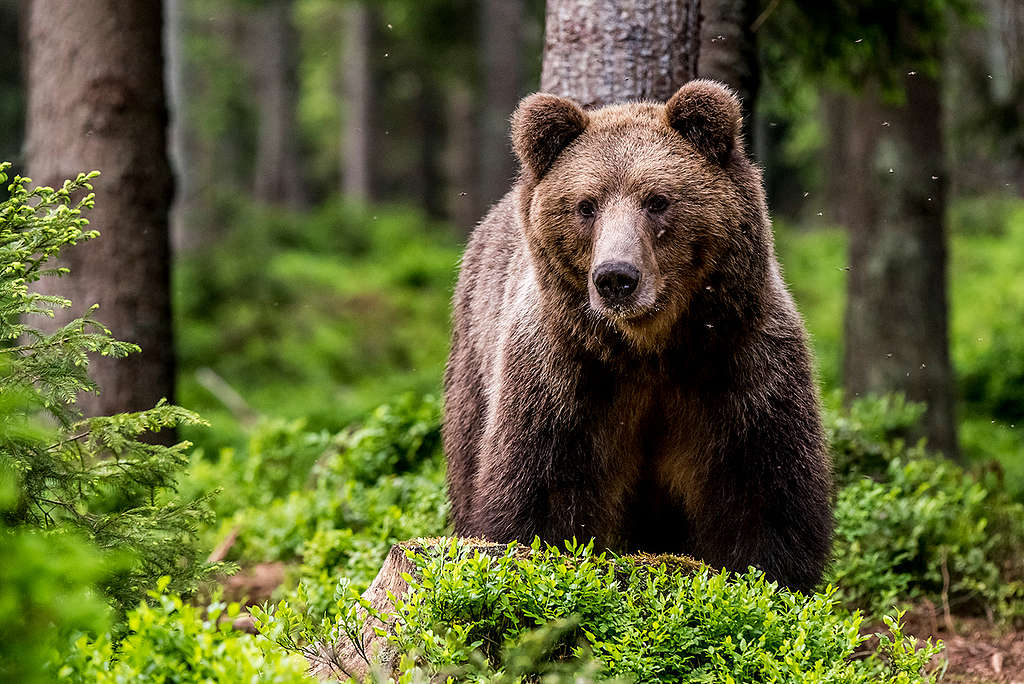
[
  {"x": 287, "y": 268},
  {"x": 330, "y": 157}
]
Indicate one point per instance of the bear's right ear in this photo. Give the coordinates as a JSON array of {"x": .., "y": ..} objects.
[{"x": 542, "y": 126}]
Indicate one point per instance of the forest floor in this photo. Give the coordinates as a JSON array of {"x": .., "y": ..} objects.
[{"x": 978, "y": 651}]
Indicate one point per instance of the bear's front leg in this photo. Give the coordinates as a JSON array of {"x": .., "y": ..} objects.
[
  {"x": 537, "y": 471},
  {"x": 768, "y": 502}
]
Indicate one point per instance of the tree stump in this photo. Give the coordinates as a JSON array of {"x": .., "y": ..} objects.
[{"x": 346, "y": 659}]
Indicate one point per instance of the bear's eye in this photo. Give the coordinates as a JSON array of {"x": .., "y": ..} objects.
[
  {"x": 586, "y": 208},
  {"x": 656, "y": 204}
]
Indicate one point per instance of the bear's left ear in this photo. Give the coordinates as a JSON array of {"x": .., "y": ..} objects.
[
  {"x": 706, "y": 113},
  {"x": 542, "y": 126}
]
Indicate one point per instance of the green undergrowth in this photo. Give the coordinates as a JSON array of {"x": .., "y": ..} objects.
[
  {"x": 574, "y": 615},
  {"x": 90, "y": 520},
  {"x": 914, "y": 528},
  {"x": 358, "y": 492},
  {"x": 986, "y": 292},
  {"x": 317, "y": 316},
  {"x": 171, "y": 640}
]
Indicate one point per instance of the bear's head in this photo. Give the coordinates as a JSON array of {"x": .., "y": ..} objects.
[{"x": 634, "y": 214}]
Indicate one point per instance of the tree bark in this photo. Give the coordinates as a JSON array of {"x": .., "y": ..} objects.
[
  {"x": 357, "y": 124},
  {"x": 501, "y": 45},
  {"x": 600, "y": 52},
  {"x": 728, "y": 52},
  {"x": 272, "y": 50},
  {"x": 896, "y": 327},
  {"x": 96, "y": 101}
]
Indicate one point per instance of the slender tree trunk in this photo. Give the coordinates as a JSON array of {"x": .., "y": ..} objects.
[
  {"x": 896, "y": 336},
  {"x": 278, "y": 171},
  {"x": 603, "y": 51},
  {"x": 357, "y": 124},
  {"x": 464, "y": 205},
  {"x": 501, "y": 45},
  {"x": 728, "y": 52},
  {"x": 96, "y": 101},
  {"x": 430, "y": 119},
  {"x": 182, "y": 236}
]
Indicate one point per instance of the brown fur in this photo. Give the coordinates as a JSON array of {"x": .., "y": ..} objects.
[{"x": 683, "y": 421}]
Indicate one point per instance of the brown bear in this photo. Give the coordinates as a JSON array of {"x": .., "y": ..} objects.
[{"x": 627, "y": 364}]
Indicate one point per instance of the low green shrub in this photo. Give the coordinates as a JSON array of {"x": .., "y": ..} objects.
[
  {"x": 929, "y": 531},
  {"x": 331, "y": 504},
  {"x": 471, "y": 616},
  {"x": 869, "y": 434},
  {"x": 169, "y": 640},
  {"x": 47, "y": 591}
]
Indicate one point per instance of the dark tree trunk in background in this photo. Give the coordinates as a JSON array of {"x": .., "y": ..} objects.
[
  {"x": 429, "y": 175},
  {"x": 96, "y": 101},
  {"x": 603, "y": 51},
  {"x": 853, "y": 124},
  {"x": 728, "y": 52},
  {"x": 501, "y": 46},
  {"x": 357, "y": 87},
  {"x": 464, "y": 158},
  {"x": 12, "y": 97},
  {"x": 896, "y": 328},
  {"x": 273, "y": 57}
]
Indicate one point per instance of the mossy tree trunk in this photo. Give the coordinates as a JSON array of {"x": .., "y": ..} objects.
[
  {"x": 600, "y": 52},
  {"x": 95, "y": 78}
]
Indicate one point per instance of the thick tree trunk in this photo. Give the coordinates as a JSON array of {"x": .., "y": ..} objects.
[
  {"x": 501, "y": 45},
  {"x": 896, "y": 329},
  {"x": 96, "y": 101},
  {"x": 357, "y": 124},
  {"x": 603, "y": 51},
  {"x": 272, "y": 50},
  {"x": 728, "y": 52}
]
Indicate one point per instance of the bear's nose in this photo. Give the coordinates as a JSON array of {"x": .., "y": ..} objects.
[{"x": 616, "y": 281}]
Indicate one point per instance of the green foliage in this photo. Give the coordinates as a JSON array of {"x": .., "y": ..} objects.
[
  {"x": 988, "y": 300},
  {"x": 929, "y": 531},
  {"x": 475, "y": 616},
  {"x": 870, "y": 435},
  {"x": 46, "y": 591},
  {"x": 856, "y": 41},
  {"x": 363, "y": 489},
  {"x": 170, "y": 640},
  {"x": 328, "y": 314},
  {"x": 93, "y": 478}
]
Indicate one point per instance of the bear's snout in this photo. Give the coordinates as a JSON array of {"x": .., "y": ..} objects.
[{"x": 616, "y": 281}]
